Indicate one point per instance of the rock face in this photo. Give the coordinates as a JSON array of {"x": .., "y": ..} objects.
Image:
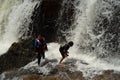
[
  {"x": 50, "y": 17},
  {"x": 72, "y": 76},
  {"x": 44, "y": 18},
  {"x": 17, "y": 56},
  {"x": 56, "y": 73},
  {"x": 107, "y": 75}
]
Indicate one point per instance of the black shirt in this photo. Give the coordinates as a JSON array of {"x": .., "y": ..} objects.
[{"x": 65, "y": 47}]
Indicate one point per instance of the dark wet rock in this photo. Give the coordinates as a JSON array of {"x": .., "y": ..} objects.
[
  {"x": 54, "y": 71},
  {"x": 72, "y": 76},
  {"x": 59, "y": 74},
  {"x": 36, "y": 73},
  {"x": 108, "y": 75},
  {"x": 48, "y": 20},
  {"x": 19, "y": 54},
  {"x": 44, "y": 18},
  {"x": 77, "y": 76}
]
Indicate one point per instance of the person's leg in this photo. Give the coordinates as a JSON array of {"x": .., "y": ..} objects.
[
  {"x": 39, "y": 58},
  {"x": 61, "y": 60},
  {"x": 43, "y": 55},
  {"x": 63, "y": 57}
]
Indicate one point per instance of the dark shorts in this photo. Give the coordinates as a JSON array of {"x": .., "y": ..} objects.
[{"x": 62, "y": 52}]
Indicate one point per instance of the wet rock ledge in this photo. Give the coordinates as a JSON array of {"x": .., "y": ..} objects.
[{"x": 106, "y": 75}]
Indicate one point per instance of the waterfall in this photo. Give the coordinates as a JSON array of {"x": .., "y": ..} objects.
[
  {"x": 15, "y": 16},
  {"x": 85, "y": 14},
  {"x": 94, "y": 34}
]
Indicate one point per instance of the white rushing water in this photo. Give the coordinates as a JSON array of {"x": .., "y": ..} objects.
[
  {"x": 14, "y": 20},
  {"x": 87, "y": 12}
]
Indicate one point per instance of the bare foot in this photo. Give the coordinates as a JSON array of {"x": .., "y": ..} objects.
[{"x": 59, "y": 64}]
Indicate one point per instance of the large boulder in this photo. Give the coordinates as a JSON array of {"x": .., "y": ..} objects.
[
  {"x": 44, "y": 18},
  {"x": 51, "y": 17},
  {"x": 19, "y": 54},
  {"x": 72, "y": 76}
]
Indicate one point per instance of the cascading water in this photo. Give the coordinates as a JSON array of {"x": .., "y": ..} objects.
[
  {"x": 15, "y": 16},
  {"x": 94, "y": 40},
  {"x": 65, "y": 19}
]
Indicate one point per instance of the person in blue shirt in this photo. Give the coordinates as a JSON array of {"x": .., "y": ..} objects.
[
  {"x": 64, "y": 50},
  {"x": 40, "y": 46}
]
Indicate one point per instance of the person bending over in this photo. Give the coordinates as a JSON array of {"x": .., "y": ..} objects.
[{"x": 64, "y": 50}]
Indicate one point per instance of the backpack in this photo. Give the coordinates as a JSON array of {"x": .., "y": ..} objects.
[{"x": 36, "y": 43}]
